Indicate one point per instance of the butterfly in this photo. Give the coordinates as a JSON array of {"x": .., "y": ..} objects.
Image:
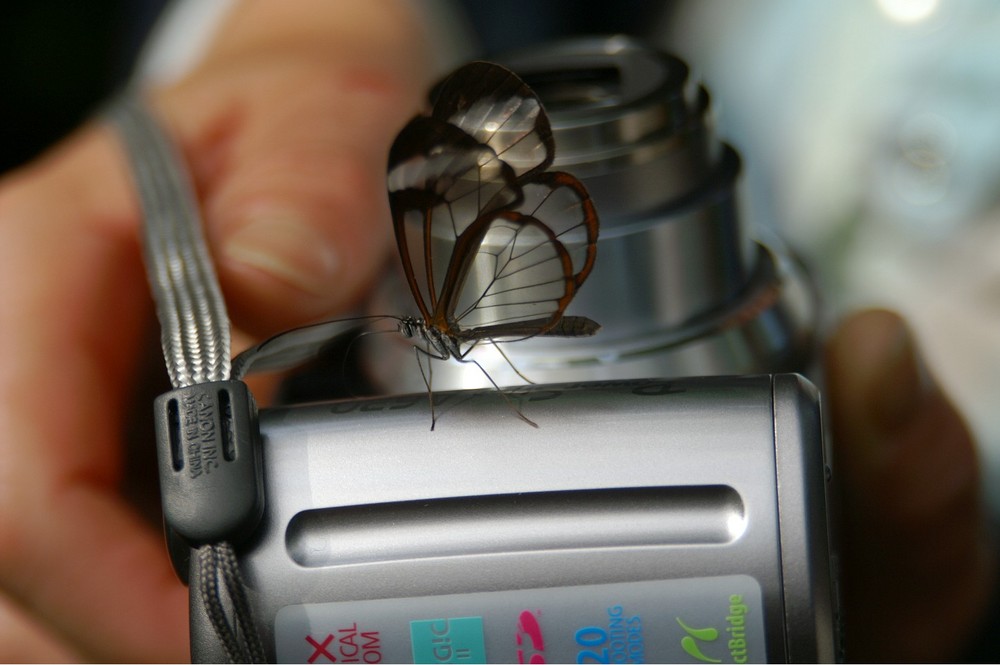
[{"x": 493, "y": 245}]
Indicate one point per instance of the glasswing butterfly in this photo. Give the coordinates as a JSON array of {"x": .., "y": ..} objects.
[{"x": 493, "y": 245}]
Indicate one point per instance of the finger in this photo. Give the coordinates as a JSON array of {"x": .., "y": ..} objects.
[
  {"x": 297, "y": 219},
  {"x": 72, "y": 554},
  {"x": 292, "y": 169},
  {"x": 917, "y": 566},
  {"x": 22, "y": 640}
]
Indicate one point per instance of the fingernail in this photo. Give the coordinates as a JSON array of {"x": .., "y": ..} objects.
[{"x": 283, "y": 245}]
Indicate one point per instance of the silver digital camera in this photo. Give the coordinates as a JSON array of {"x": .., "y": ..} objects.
[{"x": 649, "y": 517}]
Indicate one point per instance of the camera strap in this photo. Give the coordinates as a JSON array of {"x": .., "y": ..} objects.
[{"x": 208, "y": 442}]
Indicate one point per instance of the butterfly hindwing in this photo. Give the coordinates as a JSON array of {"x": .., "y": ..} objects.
[
  {"x": 515, "y": 270},
  {"x": 561, "y": 202},
  {"x": 527, "y": 262}
]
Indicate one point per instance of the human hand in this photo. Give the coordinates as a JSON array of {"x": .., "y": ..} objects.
[
  {"x": 918, "y": 562},
  {"x": 285, "y": 125}
]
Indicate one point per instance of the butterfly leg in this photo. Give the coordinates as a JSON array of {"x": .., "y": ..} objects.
[
  {"x": 428, "y": 378},
  {"x": 512, "y": 365},
  {"x": 463, "y": 359}
]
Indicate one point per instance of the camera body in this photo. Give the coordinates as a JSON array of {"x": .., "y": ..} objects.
[
  {"x": 643, "y": 521},
  {"x": 646, "y": 519}
]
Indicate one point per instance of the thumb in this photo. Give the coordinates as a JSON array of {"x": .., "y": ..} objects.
[
  {"x": 291, "y": 171},
  {"x": 917, "y": 563}
]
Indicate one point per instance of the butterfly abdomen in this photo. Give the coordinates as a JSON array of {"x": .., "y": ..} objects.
[{"x": 574, "y": 326}]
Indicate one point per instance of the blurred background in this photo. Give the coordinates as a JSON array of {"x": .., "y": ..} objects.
[
  {"x": 58, "y": 60},
  {"x": 870, "y": 132}
]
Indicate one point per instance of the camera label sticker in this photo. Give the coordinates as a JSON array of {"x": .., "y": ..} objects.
[
  {"x": 448, "y": 640},
  {"x": 697, "y": 620}
]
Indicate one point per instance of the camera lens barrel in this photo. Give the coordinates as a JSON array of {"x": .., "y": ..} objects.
[{"x": 680, "y": 286}]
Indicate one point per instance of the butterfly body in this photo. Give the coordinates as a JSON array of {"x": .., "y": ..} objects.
[{"x": 440, "y": 344}]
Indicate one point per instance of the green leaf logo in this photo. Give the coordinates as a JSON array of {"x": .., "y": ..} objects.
[{"x": 690, "y": 642}]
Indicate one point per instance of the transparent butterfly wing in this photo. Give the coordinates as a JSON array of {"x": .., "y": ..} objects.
[
  {"x": 495, "y": 107},
  {"x": 486, "y": 235},
  {"x": 561, "y": 202},
  {"x": 440, "y": 182},
  {"x": 517, "y": 272},
  {"x": 528, "y": 262}
]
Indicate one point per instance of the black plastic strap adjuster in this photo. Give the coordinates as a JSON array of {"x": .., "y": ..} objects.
[{"x": 209, "y": 454}]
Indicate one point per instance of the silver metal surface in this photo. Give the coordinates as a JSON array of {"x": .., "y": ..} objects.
[
  {"x": 623, "y": 481},
  {"x": 680, "y": 286},
  {"x": 803, "y": 475}
]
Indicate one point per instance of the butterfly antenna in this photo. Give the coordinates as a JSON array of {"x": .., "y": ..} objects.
[{"x": 350, "y": 346}]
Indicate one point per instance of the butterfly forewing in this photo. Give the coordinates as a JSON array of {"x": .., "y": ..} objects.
[
  {"x": 496, "y": 108},
  {"x": 440, "y": 182},
  {"x": 434, "y": 164}
]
